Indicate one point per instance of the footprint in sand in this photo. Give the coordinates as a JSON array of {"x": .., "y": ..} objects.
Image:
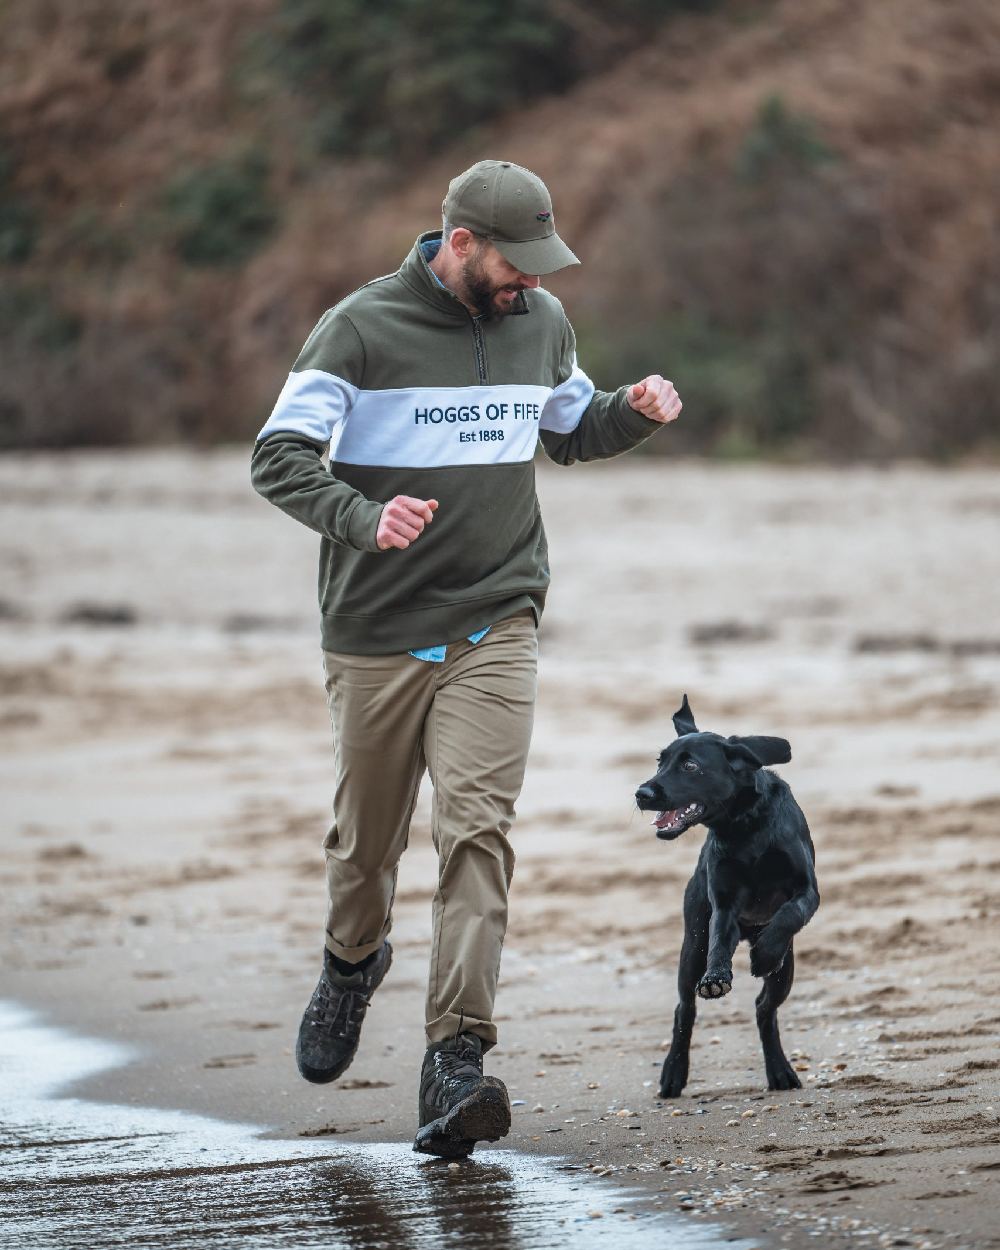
[{"x": 230, "y": 1061}]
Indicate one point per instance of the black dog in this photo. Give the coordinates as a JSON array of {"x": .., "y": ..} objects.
[{"x": 755, "y": 878}]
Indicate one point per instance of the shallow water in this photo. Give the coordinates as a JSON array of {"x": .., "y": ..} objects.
[{"x": 75, "y": 1173}]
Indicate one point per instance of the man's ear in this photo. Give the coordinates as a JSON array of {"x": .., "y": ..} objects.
[
  {"x": 684, "y": 719},
  {"x": 462, "y": 241},
  {"x": 756, "y": 750}
]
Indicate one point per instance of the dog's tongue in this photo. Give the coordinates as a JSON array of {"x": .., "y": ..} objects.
[{"x": 664, "y": 820}]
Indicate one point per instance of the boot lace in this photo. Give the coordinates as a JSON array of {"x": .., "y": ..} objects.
[
  {"x": 459, "y": 1064},
  {"x": 339, "y": 1009}
]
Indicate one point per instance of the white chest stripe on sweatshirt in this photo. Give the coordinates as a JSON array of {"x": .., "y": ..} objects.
[
  {"x": 430, "y": 427},
  {"x": 426, "y": 427}
]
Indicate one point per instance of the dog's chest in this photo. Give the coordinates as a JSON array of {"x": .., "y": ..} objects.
[
  {"x": 760, "y": 905},
  {"x": 764, "y": 885}
]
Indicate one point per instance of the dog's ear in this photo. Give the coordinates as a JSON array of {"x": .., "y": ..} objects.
[
  {"x": 756, "y": 750},
  {"x": 684, "y": 719}
]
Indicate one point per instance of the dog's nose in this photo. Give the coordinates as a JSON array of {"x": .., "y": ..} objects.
[{"x": 645, "y": 794}]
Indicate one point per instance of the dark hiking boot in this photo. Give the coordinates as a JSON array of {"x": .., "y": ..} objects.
[
  {"x": 458, "y": 1105},
  {"x": 331, "y": 1026}
]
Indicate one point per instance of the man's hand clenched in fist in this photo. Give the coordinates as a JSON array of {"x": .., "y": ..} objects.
[
  {"x": 402, "y": 520},
  {"x": 655, "y": 398}
]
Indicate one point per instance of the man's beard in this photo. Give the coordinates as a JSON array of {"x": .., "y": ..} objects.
[{"x": 481, "y": 293}]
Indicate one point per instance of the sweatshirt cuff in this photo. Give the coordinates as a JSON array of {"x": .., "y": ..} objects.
[
  {"x": 362, "y": 525},
  {"x": 637, "y": 425}
]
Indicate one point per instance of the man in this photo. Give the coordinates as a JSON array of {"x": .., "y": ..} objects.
[{"x": 430, "y": 388}]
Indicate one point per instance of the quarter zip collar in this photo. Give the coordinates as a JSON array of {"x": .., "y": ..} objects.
[{"x": 416, "y": 273}]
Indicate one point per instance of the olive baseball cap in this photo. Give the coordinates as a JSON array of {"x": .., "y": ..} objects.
[{"x": 512, "y": 208}]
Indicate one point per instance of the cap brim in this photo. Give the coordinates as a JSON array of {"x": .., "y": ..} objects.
[{"x": 537, "y": 256}]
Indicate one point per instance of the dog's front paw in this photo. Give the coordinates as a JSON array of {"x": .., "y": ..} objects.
[
  {"x": 767, "y": 956},
  {"x": 715, "y": 984}
]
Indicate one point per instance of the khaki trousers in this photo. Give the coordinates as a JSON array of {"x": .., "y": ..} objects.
[{"x": 468, "y": 722}]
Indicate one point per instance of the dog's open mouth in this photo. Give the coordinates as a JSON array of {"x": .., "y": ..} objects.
[{"x": 670, "y": 823}]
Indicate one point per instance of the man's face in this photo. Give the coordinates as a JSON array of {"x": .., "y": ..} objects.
[{"x": 492, "y": 284}]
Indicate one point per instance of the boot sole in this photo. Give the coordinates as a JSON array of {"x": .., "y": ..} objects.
[
  {"x": 483, "y": 1116},
  {"x": 323, "y": 1076}
]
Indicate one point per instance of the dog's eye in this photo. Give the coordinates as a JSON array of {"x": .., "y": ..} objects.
[{"x": 689, "y": 766}]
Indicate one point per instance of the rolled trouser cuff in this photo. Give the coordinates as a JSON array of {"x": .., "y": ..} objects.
[
  {"x": 450, "y": 1025},
  {"x": 355, "y": 954}
]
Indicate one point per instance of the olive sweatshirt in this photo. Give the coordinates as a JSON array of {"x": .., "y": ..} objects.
[{"x": 411, "y": 395}]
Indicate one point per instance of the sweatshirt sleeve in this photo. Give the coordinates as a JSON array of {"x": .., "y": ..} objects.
[
  {"x": 581, "y": 423},
  {"x": 287, "y": 464}
]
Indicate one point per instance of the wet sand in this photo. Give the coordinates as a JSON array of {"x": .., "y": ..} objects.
[
  {"x": 79, "y": 1173},
  {"x": 166, "y": 787}
]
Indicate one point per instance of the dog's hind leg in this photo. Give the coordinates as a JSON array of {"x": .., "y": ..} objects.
[
  {"x": 693, "y": 962},
  {"x": 777, "y": 986}
]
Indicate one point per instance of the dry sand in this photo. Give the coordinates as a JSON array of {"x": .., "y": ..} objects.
[{"x": 166, "y": 785}]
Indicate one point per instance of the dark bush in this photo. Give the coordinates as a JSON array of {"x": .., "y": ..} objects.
[
  {"x": 18, "y": 219},
  {"x": 30, "y": 318},
  {"x": 221, "y": 214},
  {"x": 396, "y": 77},
  {"x": 18, "y": 230},
  {"x": 781, "y": 140}
]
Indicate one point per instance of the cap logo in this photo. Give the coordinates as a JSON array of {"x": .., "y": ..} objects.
[{"x": 542, "y": 216}]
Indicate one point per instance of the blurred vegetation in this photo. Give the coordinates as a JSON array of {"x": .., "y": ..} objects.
[
  {"x": 220, "y": 214},
  {"x": 89, "y": 235},
  {"x": 781, "y": 140},
  {"x": 768, "y": 261},
  {"x": 751, "y": 390},
  {"x": 18, "y": 219},
  {"x": 393, "y": 79},
  {"x": 29, "y": 316},
  {"x": 39, "y": 334},
  {"x": 799, "y": 226}
]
